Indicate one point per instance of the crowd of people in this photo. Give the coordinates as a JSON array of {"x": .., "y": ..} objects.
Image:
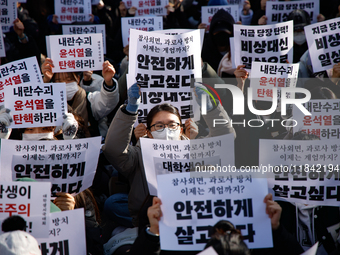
[{"x": 120, "y": 215}]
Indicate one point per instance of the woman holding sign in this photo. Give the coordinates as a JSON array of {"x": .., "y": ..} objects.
[
  {"x": 163, "y": 122},
  {"x": 93, "y": 106}
]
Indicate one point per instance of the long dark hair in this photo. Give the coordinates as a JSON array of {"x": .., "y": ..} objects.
[{"x": 162, "y": 107}]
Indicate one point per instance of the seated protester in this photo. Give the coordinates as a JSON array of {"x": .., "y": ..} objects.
[
  {"x": 92, "y": 106},
  {"x": 312, "y": 223},
  {"x": 148, "y": 237},
  {"x": 20, "y": 44},
  {"x": 163, "y": 122},
  {"x": 322, "y": 93}
]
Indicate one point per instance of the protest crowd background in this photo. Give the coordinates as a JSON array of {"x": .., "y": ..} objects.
[{"x": 108, "y": 108}]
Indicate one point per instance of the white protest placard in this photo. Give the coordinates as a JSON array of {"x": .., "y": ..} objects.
[
  {"x": 168, "y": 157},
  {"x": 163, "y": 53},
  {"x": 312, "y": 250},
  {"x": 192, "y": 205},
  {"x": 267, "y": 43},
  {"x": 73, "y": 53},
  {"x": 165, "y": 63},
  {"x": 36, "y": 104},
  {"x": 324, "y": 121},
  {"x": 265, "y": 76},
  {"x": 19, "y": 72},
  {"x": 95, "y": 2},
  {"x": 72, "y": 11},
  {"x": 148, "y": 7},
  {"x": 69, "y": 164},
  {"x": 150, "y": 98},
  {"x": 24, "y": 199},
  {"x": 323, "y": 44},
  {"x": 302, "y": 171},
  {"x": 141, "y": 23},
  {"x": 66, "y": 234},
  {"x": 2, "y": 44},
  {"x": 35, "y": 226},
  {"x": 278, "y": 12},
  {"x": 8, "y": 10},
  {"x": 209, "y": 11},
  {"x": 86, "y": 29}
]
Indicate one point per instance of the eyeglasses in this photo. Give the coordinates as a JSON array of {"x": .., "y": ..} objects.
[{"x": 159, "y": 127}]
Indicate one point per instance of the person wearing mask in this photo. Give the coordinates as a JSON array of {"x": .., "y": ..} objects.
[
  {"x": 163, "y": 122},
  {"x": 216, "y": 43}
]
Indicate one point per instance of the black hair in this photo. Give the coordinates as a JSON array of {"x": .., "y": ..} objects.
[
  {"x": 162, "y": 107},
  {"x": 13, "y": 223},
  {"x": 223, "y": 225}
]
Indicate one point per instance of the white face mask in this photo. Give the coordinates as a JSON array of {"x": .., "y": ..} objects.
[
  {"x": 299, "y": 38},
  {"x": 37, "y": 136},
  {"x": 167, "y": 134},
  {"x": 71, "y": 89}
]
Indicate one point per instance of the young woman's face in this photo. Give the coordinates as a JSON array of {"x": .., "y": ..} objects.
[{"x": 166, "y": 118}]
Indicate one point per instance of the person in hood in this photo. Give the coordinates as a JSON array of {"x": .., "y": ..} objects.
[
  {"x": 163, "y": 122},
  {"x": 92, "y": 106},
  {"x": 301, "y": 19},
  {"x": 216, "y": 43}
]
